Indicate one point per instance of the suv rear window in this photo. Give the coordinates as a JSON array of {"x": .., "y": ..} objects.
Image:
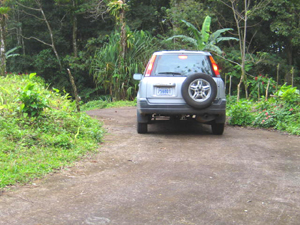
[{"x": 181, "y": 64}]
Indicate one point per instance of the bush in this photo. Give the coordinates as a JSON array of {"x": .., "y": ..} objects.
[
  {"x": 33, "y": 102},
  {"x": 282, "y": 112},
  {"x": 240, "y": 113},
  {"x": 288, "y": 95}
]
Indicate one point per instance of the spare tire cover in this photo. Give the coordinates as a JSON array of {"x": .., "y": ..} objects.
[{"x": 199, "y": 90}]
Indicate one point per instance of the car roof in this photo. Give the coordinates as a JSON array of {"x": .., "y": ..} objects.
[{"x": 167, "y": 52}]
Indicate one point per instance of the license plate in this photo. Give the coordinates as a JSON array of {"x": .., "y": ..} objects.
[{"x": 164, "y": 91}]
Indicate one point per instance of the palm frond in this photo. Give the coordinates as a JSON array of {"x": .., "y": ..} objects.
[
  {"x": 8, "y": 53},
  {"x": 185, "y": 39},
  {"x": 213, "y": 48},
  {"x": 206, "y": 29},
  {"x": 193, "y": 29},
  {"x": 215, "y": 36},
  {"x": 226, "y": 39}
]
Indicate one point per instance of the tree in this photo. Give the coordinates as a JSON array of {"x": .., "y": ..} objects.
[
  {"x": 203, "y": 40},
  {"x": 189, "y": 10},
  {"x": 3, "y": 16},
  {"x": 148, "y": 15},
  {"x": 241, "y": 13},
  {"x": 118, "y": 8},
  {"x": 42, "y": 16},
  {"x": 72, "y": 7},
  {"x": 284, "y": 23}
]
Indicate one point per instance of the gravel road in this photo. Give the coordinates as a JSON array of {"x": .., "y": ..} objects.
[{"x": 178, "y": 173}]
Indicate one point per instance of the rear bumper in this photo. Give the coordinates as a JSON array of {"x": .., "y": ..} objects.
[{"x": 217, "y": 108}]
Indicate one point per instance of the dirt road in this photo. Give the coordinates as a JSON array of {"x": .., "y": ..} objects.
[{"x": 176, "y": 174}]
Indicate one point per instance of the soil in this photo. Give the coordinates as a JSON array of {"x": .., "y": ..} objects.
[{"x": 178, "y": 173}]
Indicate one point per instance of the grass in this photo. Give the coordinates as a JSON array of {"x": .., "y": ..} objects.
[
  {"x": 100, "y": 104},
  {"x": 34, "y": 144}
]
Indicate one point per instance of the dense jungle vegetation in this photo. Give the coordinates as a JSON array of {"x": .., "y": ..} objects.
[{"x": 104, "y": 42}]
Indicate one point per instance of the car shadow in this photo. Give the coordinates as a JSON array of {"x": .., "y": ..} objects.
[{"x": 179, "y": 127}]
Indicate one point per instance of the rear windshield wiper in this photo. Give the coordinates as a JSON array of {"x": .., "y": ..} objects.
[{"x": 171, "y": 73}]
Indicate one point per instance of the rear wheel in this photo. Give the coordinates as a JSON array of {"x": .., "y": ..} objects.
[
  {"x": 142, "y": 128},
  {"x": 217, "y": 128}
]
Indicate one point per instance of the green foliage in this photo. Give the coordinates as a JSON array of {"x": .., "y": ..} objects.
[
  {"x": 94, "y": 104},
  {"x": 203, "y": 40},
  {"x": 274, "y": 30},
  {"x": 118, "y": 104},
  {"x": 113, "y": 73},
  {"x": 240, "y": 113},
  {"x": 284, "y": 17},
  {"x": 8, "y": 54},
  {"x": 4, "y": 10},
  {"x": 267, "y": 118},
  {"x": 33, "y": 103},
  {"x": 189, "y": 10},
  {"x": 147, "y": 15},
  {"x": 45, "y": 62},
  {"x": 259, "y": 85},
  {"x": 290, "y": 95},
  {"x": 115, "y": 6},
  {"x": 34, "y": 146},
  {"x": 282, "y": 112}
]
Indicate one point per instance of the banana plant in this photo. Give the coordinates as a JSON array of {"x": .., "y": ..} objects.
[
  {"x": 204, "y": 39},
  {"x": 9, "y": 54}
]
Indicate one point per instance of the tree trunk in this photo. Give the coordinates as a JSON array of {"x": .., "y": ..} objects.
[
  {"x": 242, "y": 42},
  {"x": 2, "y": 46},
  {"x": 278, "y": 67},
  {"x": 74, "y": 20},
  {"x": 77, "y": 98},
  {"x": 289, "y": 53},
  {"x": 123, "y": 34},
  {"x": 51, "y": 35},
  {"x": 239, "y": 86},
  {"x": 44, "y": 18},
  {"x": 244, "y": 75}
]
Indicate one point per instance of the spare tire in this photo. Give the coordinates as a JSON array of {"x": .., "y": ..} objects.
[{"x": 199, "y": 90}]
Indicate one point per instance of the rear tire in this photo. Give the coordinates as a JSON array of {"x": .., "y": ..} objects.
[
  {"x": 199, "y": 90},
  {"x": 217, "y": 128},
  {"x": 142, "y": 128}
]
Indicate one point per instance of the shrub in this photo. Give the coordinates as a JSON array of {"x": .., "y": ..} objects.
[
  {"x": 259, "y": 84},
  {"x": 281, "y": 112},
  {"x": 33, "y": 102},
  {"x": 289, "y": 95},
  {"x": 240, "y": 113}
]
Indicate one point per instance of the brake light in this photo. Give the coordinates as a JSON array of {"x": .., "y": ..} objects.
[
  {"x": 182, "y": 57},
  {"x": 214, "y": 66},
  {"x": 149, "y": 67}
]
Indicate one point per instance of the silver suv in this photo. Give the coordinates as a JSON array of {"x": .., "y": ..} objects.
[{"x": 181, "y": 85}]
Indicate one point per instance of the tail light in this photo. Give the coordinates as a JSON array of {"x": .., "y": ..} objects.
[
  {"x": 149, "y": 67},
  {"x": 214, "y": 66}
]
